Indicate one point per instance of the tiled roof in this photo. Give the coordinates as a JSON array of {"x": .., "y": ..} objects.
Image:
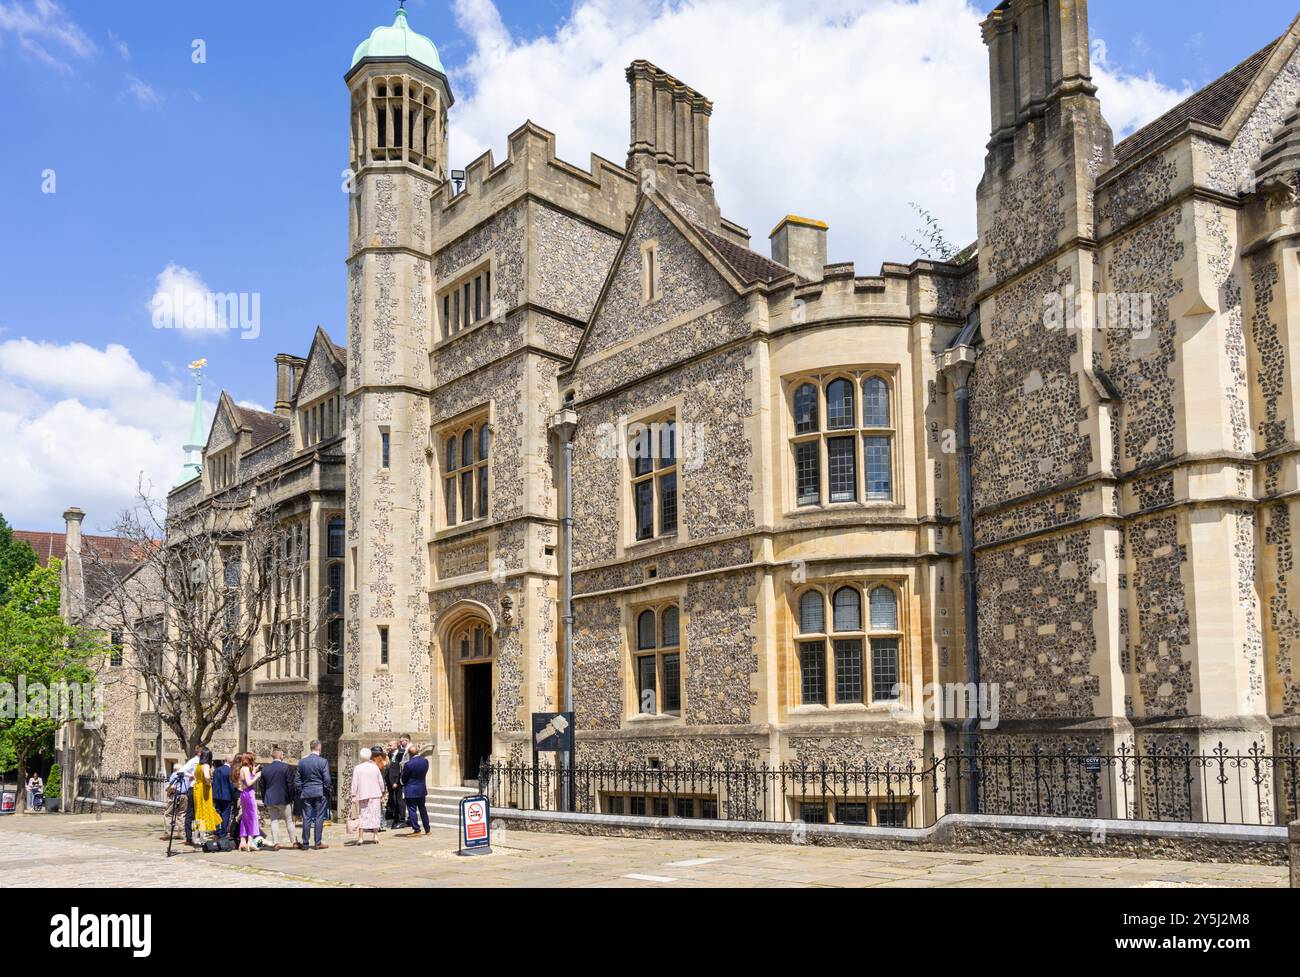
[
  {"x": 262, "y": 425},
  {"x": 749, "y": 266},
  {"x": 52, "y": 546},
  {"x": 1211, "y": 106}
]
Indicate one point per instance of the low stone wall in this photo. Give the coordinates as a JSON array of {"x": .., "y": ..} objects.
[
  {"x": 122, "y": 805},
  {"x": 987, "y": 834}
]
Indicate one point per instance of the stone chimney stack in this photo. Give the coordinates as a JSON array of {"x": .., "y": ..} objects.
[
  {"x": 799, "y": 243},
  {"x": 72, "y": 600},
  {"x": 670, "y": 139},
  {"x": 288, "y": 371}
]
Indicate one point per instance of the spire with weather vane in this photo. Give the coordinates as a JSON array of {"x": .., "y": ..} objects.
[{"x": 194, "y": 449}]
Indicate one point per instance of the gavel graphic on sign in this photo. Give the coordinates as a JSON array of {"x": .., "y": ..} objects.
[{"x": 555, "y": 727}]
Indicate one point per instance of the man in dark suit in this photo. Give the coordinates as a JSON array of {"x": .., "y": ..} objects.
[
  {"x": 414, "y": 770},
  {"x": 393, "y": 774},
  {"x": 277, "y": 795},
  {"x": 313, "y": 783},
  {"x": 223, "y": 794}
]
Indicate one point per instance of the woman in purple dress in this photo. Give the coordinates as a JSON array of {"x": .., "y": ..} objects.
[{"x": 246, "y": 779}]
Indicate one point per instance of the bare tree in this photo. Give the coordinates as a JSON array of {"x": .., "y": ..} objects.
[{"x": 220, "y": 591}]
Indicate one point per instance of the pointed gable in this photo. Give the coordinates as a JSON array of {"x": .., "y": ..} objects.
[
  {"x": 226, "y": 424},
  {"x": 232, "y": 422},
  {"x": 324, "y": 369},
  {"x": 699, "y": 301}
]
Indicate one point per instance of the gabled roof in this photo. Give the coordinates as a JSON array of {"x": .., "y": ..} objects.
[
  {"x": 1211, "y": 106},
  {"x": 53, "y": 546},
  {"x": 262, "y": 426},
  {"x": 335, "y": 355},
  {"x": 749, "y": 266},
  {"x": 712, "y": 251}
]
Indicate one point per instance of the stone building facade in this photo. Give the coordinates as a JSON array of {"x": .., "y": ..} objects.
[{"x": 767, "y": 545}]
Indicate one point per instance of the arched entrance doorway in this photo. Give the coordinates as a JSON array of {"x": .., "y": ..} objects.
[{"x": 472, "y": 651}]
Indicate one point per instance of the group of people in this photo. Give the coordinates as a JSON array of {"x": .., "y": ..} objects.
[
  {"x": 220, "y": 796},
  {"x": 388, "y": 784}
]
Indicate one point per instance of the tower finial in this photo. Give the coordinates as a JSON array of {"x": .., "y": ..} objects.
[{"x": 193, "y": 460}]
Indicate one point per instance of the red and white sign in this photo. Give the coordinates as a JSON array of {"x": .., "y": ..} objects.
[{"x": 475, "y": 820}]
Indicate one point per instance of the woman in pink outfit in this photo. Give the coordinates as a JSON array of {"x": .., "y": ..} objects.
[{"x": 368, "y": 791}]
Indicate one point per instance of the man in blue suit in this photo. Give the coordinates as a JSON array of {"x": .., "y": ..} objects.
[
  {"x": 414, "y": 770},
  {"x": 223, "y": 794},
  {"x": 313, "y": 783}
]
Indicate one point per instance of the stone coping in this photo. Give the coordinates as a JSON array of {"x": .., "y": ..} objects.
[
  {"x": 941, "y": 831},
  {"x": 1246, "y": 843}
]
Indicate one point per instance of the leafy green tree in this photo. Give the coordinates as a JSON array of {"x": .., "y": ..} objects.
[
  {"x": 17, "y": 559},
  {"x": 39, "y": 653}
]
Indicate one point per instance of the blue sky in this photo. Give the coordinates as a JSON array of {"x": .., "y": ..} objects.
[{"x": 230, "y": 169}]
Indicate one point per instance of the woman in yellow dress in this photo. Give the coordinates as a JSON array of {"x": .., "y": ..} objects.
[{"x": 206, "y": 817}]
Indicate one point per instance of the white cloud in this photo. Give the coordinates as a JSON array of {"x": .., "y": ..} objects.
[
  {"x": 843, "y": 110},
  {"x": 183, "y": 301},
  {"x": 142, "y": 93},
  {"x": 79, "y": 425},
  {"x": 44, "y": 30},
  {"x": 1130, "y": 101},
  {"x": 120, "y": 45}
]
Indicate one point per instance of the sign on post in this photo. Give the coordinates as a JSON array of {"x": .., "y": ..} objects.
[
  {"x": 475, "y": 829},
  {"x": 552, "y": 732}
]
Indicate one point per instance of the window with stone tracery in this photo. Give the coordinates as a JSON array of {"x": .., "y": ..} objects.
[
  {"x": 842, "y": 439},
  {"x": 845, "y": 656},
  {"x": 466, "y": 447}
]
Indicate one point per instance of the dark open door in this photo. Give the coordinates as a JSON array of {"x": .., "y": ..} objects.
[{"x": 478, "y": 718}]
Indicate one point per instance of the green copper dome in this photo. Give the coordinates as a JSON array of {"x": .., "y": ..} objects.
[{"x": 397, "y": 42}]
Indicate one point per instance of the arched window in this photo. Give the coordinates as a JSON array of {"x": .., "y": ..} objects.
[
  {"x": 812, "y": 612},
  {"x": 875, "y": 402},
  {"x": 829, "y": 457},
  {"x": 645, "y": 630},
  {"x": 668, "y": 627},
  {"x": 848, "y": 610},
  {"x": 657, "y": 663},
  {"x": 805, "y": 409},
  {"x": 884, "y": 610},
  {"x": 473, "y": 641},
  {"x": 832, "y": 666},
  {"x": 839, "y": 404},
  {"x": 465, "y": 476}
]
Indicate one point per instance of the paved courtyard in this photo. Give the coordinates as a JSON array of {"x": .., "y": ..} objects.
[{"x": 126, "y": 850}]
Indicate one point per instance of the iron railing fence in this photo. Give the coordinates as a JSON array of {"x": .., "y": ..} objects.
[
  {"x": 1219, "y": 787},
  {"x": 137, "y": 786}
]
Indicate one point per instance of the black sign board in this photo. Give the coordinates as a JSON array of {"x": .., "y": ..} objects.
[
  {"x": 552, "y": 732},
  {"x": 1092, "y": 764}
]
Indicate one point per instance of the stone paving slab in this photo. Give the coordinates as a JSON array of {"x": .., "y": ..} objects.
[{"x": 126, "y": 851}]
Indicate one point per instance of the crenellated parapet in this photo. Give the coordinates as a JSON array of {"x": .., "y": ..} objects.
[
  {"x": 604, "y": 194},
  {"x": 923, "y": 289}
]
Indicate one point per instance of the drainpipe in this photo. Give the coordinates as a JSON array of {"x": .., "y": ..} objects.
[
  {"x": 563, "y": 424},
  {"x": 958, "y": 363}
]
